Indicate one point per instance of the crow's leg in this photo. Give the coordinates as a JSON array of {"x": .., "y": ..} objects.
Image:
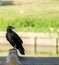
[{"x": 14, "y": 47}]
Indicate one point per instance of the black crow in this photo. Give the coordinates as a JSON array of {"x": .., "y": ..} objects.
[{"x": 14, "y": 39}]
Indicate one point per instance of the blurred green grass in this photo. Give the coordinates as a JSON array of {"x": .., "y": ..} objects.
[{"x": 34, "y": 18}]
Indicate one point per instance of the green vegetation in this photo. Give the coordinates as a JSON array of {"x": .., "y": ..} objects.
[{"x": 34, "y": 18}]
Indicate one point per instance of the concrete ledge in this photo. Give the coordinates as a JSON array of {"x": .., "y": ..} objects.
[{"x": 14, "y": 59}]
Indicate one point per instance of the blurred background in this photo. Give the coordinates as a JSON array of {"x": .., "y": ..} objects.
[{"x": 35, "y": 21}]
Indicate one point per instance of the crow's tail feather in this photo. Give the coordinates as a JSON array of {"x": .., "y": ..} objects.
[{"x": 21, "y": 51}]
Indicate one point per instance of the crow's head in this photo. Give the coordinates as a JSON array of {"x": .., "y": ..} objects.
[{"x": 9, "y": 28}]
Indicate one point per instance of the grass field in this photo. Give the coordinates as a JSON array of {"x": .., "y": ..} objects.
[{"x": 34, "y": 18}]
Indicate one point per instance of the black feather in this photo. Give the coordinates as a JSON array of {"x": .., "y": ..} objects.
[{"x": 14, "y": 39}]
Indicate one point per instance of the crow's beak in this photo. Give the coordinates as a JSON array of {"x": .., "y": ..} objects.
[{"x": 13, "y": 27}]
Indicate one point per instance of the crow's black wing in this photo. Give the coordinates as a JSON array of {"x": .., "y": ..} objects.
[
  {"x": 9, "y": 38},
  {"x": 16, "y": 38}
]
